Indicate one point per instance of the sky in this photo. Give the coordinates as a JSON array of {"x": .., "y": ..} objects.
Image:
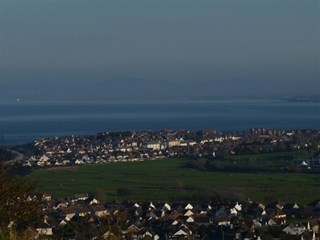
[{"x": 151, "y": 50}]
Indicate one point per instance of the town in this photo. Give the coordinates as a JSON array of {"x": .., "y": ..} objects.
[
  {"x": 124, "y": 146},
  {"x": 84, "y": 217},
  {"x": 87, "y": 216}
]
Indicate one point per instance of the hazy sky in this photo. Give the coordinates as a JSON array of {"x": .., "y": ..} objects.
[{"x": 50, "y": 50}]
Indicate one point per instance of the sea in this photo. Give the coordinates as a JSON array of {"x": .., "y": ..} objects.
[{"x": 23, "y": 122}]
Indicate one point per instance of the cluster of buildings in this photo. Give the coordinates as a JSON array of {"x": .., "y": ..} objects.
[
  {"x": 122, "y": 146},
  {"x": 83, "y": 217}
]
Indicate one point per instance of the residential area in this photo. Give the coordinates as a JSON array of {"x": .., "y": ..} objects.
[
  {"x": 84, "y": 217},
  {"x": 124, "y": 146}
]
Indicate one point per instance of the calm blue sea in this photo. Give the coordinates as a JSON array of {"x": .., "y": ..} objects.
[{"x": 23, "y": 122}]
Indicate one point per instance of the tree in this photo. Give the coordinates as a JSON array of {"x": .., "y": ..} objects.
[
  {"x": 18, "y": 206},
  {"x": 5, "y": 154},
  {"x": 200, "y": 163},
  {"x": 100, "y": 194},
  {"x": 115, "y": 223}
]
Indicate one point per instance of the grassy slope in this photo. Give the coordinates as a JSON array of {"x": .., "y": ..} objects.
[
  {"x": 273, "y": 160},
  {"x": 162, "y": 179}
]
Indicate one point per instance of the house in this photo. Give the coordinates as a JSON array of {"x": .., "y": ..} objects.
[
  {"x": 62, "y": 223},
  {"x": 44, "y": 230},
  {"x": 314, "y": 226},
  {"x": 189, "y": 207},
  {"x": 188, "y": 213},
  {"x": 100, "y": 211},
  {"x": 152, "y": 215},
  {"x": 233, "y": 212},
  {"x": 190, "y": 220},
  {"x": 238, "y": 207},
  {"x": 80, "y": 197},
  {"x": 223, "y": 221},
  {"x": 181, "y": 234},
  {"x": 46, "y": 198},
  {"x": 173, "y": 143},
  {"x": 166, "y": 207},
  {"x": 144, "y": 234},
  {"x": 202, "y": 219},
  {"x": 94, "y": 202},
  {"x": 83, "y": 211},
  {"x": 133, "y": 229},
  {"x": 175, "y": 223},
  {"x": 107, "y": 235},
  {"x": 272, "y": 222},
  {"x": 78, "y": 161},
  {"x": 61, "y": 205},
  {"x": 151, "y": 206},
  {"x": 69, "y": 213},
  {"x": 153, "y": 145},
  {"x": 294, "y": 229}
]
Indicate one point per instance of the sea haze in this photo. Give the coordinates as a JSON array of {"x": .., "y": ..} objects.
[{"x": 22, "y": 122}]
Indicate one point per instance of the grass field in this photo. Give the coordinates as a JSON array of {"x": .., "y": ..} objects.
[
  {"x": 169, "y": 179},
  {"x": 269, "y": 160}
]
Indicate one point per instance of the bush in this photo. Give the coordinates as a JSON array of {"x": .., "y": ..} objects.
[{"x": 18, "y": 207}]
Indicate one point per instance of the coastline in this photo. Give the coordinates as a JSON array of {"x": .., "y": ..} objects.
[{"x": 24, "y": 122}]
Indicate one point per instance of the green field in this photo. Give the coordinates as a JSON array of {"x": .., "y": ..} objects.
[
  {"x": 169, "y": 179},
  {"x": 273, "y": 160}
]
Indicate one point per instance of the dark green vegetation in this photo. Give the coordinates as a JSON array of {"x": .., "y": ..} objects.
[
  {"x": 6, "y": 154},
  {"x": 18, "y": 212},
  {"x": 170, "y": 179},
  {"x": 263, "y": 162}
]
